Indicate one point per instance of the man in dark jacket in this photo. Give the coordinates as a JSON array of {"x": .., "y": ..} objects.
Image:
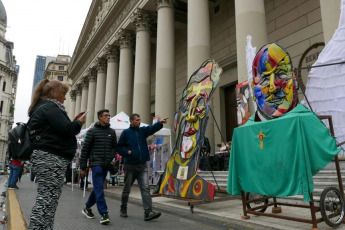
[
  {"x": 136, "y": 153},
  {"x": 100, "y": 148}
]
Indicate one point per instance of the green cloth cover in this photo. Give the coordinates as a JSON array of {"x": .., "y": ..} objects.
[{"x": 295, "y": 147}]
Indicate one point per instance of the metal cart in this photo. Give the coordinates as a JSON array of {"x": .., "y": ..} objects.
[{"x": 331, "y": 201}]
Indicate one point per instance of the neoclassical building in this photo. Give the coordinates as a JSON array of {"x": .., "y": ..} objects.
[
  {"x": 8, "y": 85},
  {"x": 57, "y": 70},
  {"x": 137, "y": 55}
]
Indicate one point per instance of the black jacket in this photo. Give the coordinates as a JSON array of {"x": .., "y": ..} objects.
[
  {"x": 99, "y": 146},
  {"x": 54, "y": 129}
]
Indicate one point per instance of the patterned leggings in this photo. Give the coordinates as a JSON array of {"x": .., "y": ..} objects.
[{"x": 50, "y": 172}]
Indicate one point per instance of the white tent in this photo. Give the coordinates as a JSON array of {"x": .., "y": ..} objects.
[{"x": 121, "y": 122}]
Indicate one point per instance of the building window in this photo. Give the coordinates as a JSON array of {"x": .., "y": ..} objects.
[
  {"x": 61, "y": 67},
  {"x": 60, "y": 78},
  {"x": 1, "y": 105},
  {"x": 4, "y": 86}
]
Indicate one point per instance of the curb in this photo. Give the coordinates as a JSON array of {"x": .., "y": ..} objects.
[{"x": 16, "y": 220}]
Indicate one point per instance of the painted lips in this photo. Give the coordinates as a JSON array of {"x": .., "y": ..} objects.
[{"x": 190, "y": 132}]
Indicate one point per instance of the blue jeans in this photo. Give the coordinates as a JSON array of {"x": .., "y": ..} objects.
[
  {"x": 137, "y": 172},
  {"x": 14, "y": 173},
  {"x": 99, "y": 174}
]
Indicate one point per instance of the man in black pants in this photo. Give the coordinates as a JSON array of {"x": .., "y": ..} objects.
[{"x": 136, "y": 154}]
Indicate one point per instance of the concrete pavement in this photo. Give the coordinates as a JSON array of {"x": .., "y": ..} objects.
[
  {"x": 230, "y": 210},
  {"x": 224, "y": 214}
]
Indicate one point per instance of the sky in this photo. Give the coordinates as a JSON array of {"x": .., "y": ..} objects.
[{"x": 41, "y": 27}]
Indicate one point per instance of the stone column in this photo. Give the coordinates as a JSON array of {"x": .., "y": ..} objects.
[
  {"x": 84, "y": 94},
  {"x": 250, "y": 20},
  {"x": 78, "y": 100},
  {"x": 91, "y": 97},
  {"x": 199, "y": 48},
  {"x": 199, "y": 35},
  {"x": 142, "y": 76},
  {"x": 125, "y": 88},
  {"x": 100, "y": 87},
  {"x": 330, "y": 13},
  {"x": 112, "y": 80},
  {"x": 72, "y": 108},
  {"x": 165, "y": 101}
]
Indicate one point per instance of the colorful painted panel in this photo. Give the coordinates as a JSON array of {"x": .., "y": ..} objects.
[
  {"x": 242, "y": 98},
  {"x": 274, "y": 86},
  {"x": 180, "y": 177}
]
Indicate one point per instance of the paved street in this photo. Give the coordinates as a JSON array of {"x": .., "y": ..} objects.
[
  {"x": 69, "y": 215},
  {"x": 223, "y": 214}
]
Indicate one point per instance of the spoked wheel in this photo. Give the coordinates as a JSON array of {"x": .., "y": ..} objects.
[
  {"x": 332, "y": 206},
  {"x": 256, "y": 196}
]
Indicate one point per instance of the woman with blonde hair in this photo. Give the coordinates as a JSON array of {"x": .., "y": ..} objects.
[{"x": 55, "y": 146}]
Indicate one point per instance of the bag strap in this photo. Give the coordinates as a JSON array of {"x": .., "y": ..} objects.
[
  {"x": 32, "y": 115},
  {"x": 27, "y": 124}
]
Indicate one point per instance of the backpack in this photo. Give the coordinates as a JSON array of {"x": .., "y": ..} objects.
[{"x": 20, "y": 146}]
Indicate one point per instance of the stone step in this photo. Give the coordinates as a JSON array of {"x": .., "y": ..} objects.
[
  {"x": 322, "y": 185},
  {"x": 330, "y": 171},
  {"x": 221, "y": 173},
  {"x": 326, "y": 178},
  {"x": 210, "y": 178}
]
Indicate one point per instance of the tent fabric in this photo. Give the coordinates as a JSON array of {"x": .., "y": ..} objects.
[
  {"x": 282, "y": 161},
  {"x": 121, "y": 122},
  {"x": 325, "y": 88}
]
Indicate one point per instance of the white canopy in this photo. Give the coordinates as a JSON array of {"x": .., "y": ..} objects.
[{"x": 121, "y": 122}]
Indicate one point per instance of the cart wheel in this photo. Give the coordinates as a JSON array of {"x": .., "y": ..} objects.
[
  {"x": 254, "y": 196},
  {"x": 332, "y": 206}
]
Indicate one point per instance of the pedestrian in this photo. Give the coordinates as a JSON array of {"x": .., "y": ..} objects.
[
  {"x": 68, "y": 174},
  {"x": 99, "y": 148},
  {"x": 83, "y": 180},
  {"x": 21, "y": 171},
  {"x": 54, "y": 149},
  {"x": 135, "y": 152},
  {"x": 14, "y": 165},
  {"x": 204, "y": 154}
]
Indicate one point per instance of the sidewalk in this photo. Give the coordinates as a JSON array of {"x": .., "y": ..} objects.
[{"x": 229, "y": 210}]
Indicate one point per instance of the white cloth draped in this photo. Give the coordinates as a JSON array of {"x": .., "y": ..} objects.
[
  {"x": 250, "y": 55},
  {"x": 325, "y": 89}
]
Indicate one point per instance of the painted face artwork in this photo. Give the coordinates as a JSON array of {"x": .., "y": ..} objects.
[
  {"x": 193, "y": 106},
  {"x": 273, "y": 84},
  {"x": 189, "y": 126}
]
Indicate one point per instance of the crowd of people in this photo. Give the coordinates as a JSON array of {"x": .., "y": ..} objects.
[{"x": 56, "y": 145}]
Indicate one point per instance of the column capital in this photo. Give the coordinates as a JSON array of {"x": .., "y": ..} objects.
[
  {"x": 79, "y": 88},
  {"x": 73, "y": 94},
  {"x": 142, "y": 20},
  {"x": 85, "y": 82},
  {"x": 164, "y": 3},
  {"x": 112, "y": 53},
  {"x": 101, "y": 65},
  {"x": 125, "y": 38},
  {"x": 91, "y": 74}
]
